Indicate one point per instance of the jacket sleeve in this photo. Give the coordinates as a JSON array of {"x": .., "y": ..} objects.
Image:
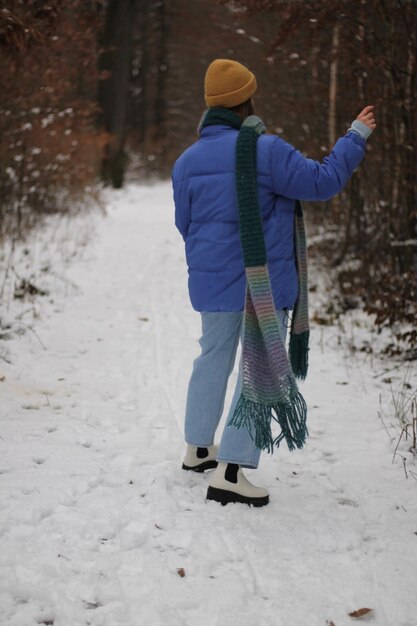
[
  {"x": 182, "y": 207},
  {"x": 297, "y": 177}
]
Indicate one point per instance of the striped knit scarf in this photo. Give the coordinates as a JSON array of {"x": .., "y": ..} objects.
[{"x": 269, "y": 386}]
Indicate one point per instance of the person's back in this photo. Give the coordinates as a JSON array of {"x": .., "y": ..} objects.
[{"x": 205, "y": 187}]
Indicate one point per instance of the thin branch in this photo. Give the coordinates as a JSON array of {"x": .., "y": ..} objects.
[{"x": 35, "y": 333}]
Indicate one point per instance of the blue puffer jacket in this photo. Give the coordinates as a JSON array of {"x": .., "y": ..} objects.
[{"x": 206, "y": 211}]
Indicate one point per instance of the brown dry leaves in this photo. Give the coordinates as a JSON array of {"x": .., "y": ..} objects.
[{"x": 360, "y": 612}]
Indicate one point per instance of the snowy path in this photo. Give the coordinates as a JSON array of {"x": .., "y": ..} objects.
[{"x": 96, "y": 515}]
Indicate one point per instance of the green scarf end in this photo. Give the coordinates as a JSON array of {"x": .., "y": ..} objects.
[
  {"x": 292, "y": 418},
  {"x": 298, "y": 353},
  {"x": 256, "y": 418}
]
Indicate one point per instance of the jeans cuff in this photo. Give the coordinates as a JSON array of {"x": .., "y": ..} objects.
[
  {"x": 199, "y": 444},
  {"x": 248, "y": 464}
]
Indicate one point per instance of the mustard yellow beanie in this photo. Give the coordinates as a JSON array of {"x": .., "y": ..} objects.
[{"x": 228, "y": 83}]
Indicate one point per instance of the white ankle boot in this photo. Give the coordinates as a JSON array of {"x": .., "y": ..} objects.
[
  {"x": 200, "y": 459},
  {"x": 229, "y": 484}
]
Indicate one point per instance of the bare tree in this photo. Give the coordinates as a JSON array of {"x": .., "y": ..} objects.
[{"x": 113, "y": 93}]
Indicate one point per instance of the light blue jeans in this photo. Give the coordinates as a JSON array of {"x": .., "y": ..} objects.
[{"x": 208, "y": 384}]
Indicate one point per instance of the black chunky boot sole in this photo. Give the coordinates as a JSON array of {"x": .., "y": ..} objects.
[
  {"x": 226, "y": 497},
  {"x": 202, "y": 467}
]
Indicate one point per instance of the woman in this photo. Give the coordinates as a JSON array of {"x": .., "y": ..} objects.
[{"x": 210, "y": 183}]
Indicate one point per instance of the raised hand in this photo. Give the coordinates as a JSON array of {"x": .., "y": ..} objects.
[{"x": 367, "y": 117}]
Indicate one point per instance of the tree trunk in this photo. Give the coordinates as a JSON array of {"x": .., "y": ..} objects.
[
  {"x": 332, "y": 116},
  {"x": 113, "y": 89},
  {"x": 332, "y": 119}
]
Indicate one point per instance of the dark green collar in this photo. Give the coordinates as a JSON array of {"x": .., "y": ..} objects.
[{"x": 219, "y": 116}]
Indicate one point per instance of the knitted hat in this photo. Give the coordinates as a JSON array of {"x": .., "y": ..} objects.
[{"x": 228, "y": 83}]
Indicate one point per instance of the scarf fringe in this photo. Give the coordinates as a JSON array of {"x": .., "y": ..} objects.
[
  {"x": 298, "y": 353},
  {"x": 256, "y": 418}
]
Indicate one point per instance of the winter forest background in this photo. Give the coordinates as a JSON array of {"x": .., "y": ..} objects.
[
  {"x": 99, "y": 525},
  {"x": 112, "y": 90}
]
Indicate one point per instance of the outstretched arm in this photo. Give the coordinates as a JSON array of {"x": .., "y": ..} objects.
[{"x": 299, "y": 177}]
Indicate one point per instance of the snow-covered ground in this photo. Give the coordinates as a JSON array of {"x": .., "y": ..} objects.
[{"x": 96, "y": 515}]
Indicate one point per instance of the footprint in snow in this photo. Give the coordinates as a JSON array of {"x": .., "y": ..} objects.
[
  {"x": 85, "y": 443},
  {"x": 329, "y": 457},
  {"x": 348, "y": 502}
]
